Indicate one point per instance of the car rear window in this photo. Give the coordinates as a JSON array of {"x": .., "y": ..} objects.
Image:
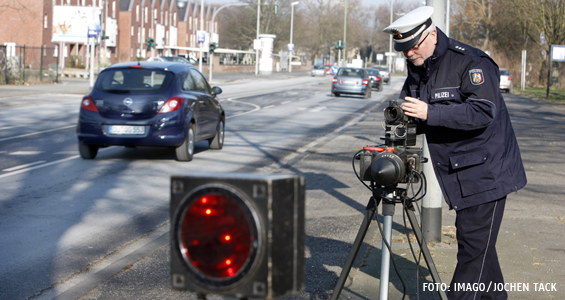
[
  {"x": 373, "y": 72},
  {"x": 350, "y": 72},
  {"x": 134, "y": 81},
  {"x": 319, "y": 67},
  {"x": 504, "y": 72}
]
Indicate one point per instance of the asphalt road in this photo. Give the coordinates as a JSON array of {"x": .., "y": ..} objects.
[
  {"x": 62, "y": 217},
  {"x": 98, "y": 229}
]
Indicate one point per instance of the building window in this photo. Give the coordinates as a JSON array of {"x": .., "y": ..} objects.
[
  {"x": 55, "y": 50},
  {"x": 137, "y": 13},
  {"x": 45, "y": 22},
  {"x": 83, "y": 2},
  {"x": 145, "y": 14},
  {"x": 190, "y": 23},
  {"x": 132, "y": 30},
  {"x": 175, "y": 19},
  {"x": 114, "y": 9}
]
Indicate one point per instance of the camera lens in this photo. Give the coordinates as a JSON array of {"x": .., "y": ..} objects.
[
  {"x": 387, "y": 170},
  {"x": 393, "y": 115}
]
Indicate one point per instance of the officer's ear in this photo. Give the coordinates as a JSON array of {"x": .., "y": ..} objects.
[{"x": 433, "y": 35}]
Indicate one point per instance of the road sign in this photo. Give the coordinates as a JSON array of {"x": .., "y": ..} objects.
[
  {"x": 334, "y": 69},
  {"x": 390, "y": 53},
  {"x": 201, "y": 36},
  {"x": 380, "y": 57},
  {"x": 291, "y": 47}
]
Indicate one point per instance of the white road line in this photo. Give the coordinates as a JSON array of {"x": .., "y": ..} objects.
[
  {"x": 23, "y": 166},
  {"x": 286, "y": 102},
  {"x": 268, "y": 106},
  {"x": 26, "y": 152},
  {"x": 30, "y": 168},
  {"x": 7, "y": 127},
  {"x": 65, "y": 152},
  {"x": 257, "y": 107},
  {"x": 37, "y": 132}
]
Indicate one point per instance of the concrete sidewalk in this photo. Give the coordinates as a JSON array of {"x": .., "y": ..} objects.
[{"x": 531, "y": 240}]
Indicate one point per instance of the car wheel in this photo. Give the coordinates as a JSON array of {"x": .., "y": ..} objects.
[
  {"x": 336, "y": 94},
  {"x": 87, "y": 151},
  {"x": 217, "y": 142},
  {"x": 185, "y": 152}
]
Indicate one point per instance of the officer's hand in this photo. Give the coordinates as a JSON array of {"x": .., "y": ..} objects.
[{"x": 415, "y": 108}]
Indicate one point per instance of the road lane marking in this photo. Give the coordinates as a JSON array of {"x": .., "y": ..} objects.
[
  {"x": 26, "y": 152},
  {"x": 318, "y": 108},
  {"x": 35, "y": 133},
  {"x": 286, "y": 102},
  {"x": 268, "y": 106},
  {"x": 257, "y": 107},
  {"x": 30, "y": 168},
  {"x": 24, "y": 166}
]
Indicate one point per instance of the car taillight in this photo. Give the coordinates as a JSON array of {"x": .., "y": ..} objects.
[
  {"x": 378, "y": 78},
  {"x": 335, "y": 80},
  {"x": 88, "y": 104},
  {"x": 174, "y": 103},
  {"x": 509, "y": 77},
  {"x": 365, "y": 81}
]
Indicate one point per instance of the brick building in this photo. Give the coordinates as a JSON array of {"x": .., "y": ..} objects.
[{"x": 128, "y": 23}]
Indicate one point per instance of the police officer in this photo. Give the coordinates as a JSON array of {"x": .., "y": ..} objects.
[{"x": 453, "y": 91}]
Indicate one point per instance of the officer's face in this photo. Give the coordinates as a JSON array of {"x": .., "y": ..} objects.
[{"x": 423, "y": 49}]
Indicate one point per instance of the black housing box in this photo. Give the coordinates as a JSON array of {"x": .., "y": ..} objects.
[{"x": 278, "y": 202}]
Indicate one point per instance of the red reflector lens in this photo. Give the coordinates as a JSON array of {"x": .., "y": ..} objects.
[
  {"x": 365, "y": 82},
  {"x": 216, "y": 236},
  {"x": 509, "y": 77},
  {"x": 335, "y": 80},
  {"x": 88, "y": 104},
  {"x": 172, "y": 104}
]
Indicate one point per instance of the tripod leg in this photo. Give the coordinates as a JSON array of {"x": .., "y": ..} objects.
[
  {"x": 388, "y": 212},
  {"x": 354, "y": 250},
  {"x": 424, "y": 249}
]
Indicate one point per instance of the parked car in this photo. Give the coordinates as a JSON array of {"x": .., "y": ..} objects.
[
  {"x": 353, "y": 81},
  {"x": 376, "y": 80},
  {"x": 328, "y": 69},
  {"x": 161, "y": 104},
  {"x": 318, "y": 70},
  {"x": 385, "y": 73},
  {"x": 506, "y": 81}
]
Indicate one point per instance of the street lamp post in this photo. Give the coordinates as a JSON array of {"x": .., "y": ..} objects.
[
  {"x": 291, "y": 29},
  {"x": 201, "y": 29},
  {"x": 344, "y": 63},
  {"x": 257, "y": 50}
]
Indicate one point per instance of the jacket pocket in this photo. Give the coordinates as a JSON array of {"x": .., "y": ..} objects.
[{"x": 473, "y": 172}]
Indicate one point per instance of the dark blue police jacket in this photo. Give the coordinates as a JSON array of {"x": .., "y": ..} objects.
[{"x": 471, "y": 141}]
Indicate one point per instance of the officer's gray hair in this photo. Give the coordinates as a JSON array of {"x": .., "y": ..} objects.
[{"x": 431, "y": 28}]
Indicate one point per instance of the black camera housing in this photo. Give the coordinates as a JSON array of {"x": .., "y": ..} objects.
[{"x": 400, "y": 128}]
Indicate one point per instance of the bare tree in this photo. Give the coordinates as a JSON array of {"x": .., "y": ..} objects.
[{"x": 546, "y": 17}]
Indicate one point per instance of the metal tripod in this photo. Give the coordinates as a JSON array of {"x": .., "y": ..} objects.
[{"x": 388, "y": 212}]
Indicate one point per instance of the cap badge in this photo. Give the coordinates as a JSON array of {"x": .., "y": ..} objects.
[
  {"x": 476, "y": 76},
  {"x": 399, "y": 36}
]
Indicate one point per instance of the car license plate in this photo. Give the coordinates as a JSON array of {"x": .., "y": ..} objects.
[{"x": 127, "y": 129}]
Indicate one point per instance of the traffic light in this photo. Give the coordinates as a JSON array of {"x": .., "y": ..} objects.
[
  {"x": 237, "y": 235},
  {"x": 213, "y": 47},
  {"x": 149, "y": 42}
]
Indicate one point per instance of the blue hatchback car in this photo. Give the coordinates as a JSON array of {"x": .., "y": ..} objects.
[{"x": 162, "y": 104}]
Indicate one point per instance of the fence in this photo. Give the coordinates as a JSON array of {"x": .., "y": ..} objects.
[{"x": 19, "y": 64}]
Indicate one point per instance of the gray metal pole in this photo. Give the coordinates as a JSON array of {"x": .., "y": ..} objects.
[
  {"x": 257, "y": 50},
  {"x": 201, "y": 29},
  {"x": 523, "y": 77},
  {"x": 388, "y": 212},
  {"x": 344, "y": 63},
  {"x": 431, "y": 203},
  {"x": 291, "y": 23}
]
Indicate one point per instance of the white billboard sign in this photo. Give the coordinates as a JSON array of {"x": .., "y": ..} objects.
[
  {"x": 111, "y": 32},
  {"x": 71, "y": 23}
]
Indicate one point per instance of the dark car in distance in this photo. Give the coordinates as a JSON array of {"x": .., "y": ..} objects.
[
  {"x": 376, "y": 79},
  {"x": 385, "y": 73},
  {"x": 353, "y": 81},
  {"x": 162, "y": 104}
]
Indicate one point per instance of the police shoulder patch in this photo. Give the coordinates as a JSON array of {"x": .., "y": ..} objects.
[{"x": 476, "y": 76}]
